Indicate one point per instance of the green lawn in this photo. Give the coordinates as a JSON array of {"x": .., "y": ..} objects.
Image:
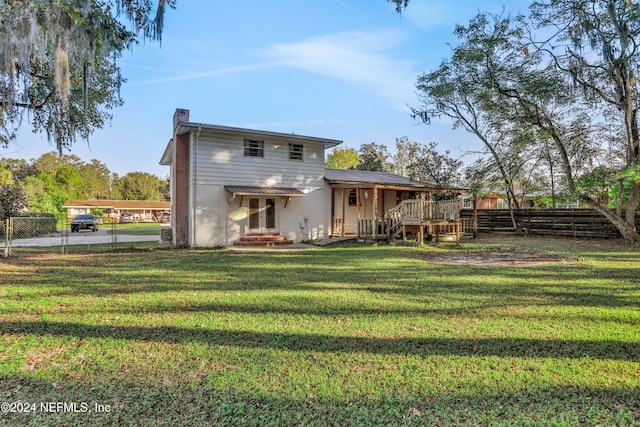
[
  {"x": 352, "y": 335},
  {"x": 141, "y": 228}
]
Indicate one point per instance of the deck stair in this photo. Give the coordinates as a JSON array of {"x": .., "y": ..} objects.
[
  {"x": 434, "y": 217},
  {"x": 263, "y": 240}
]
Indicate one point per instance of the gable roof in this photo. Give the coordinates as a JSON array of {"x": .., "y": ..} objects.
[{"x": 186, "y": 127}]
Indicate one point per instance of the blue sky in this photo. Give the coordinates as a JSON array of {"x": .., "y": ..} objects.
[{"x": 342, "y": 69}]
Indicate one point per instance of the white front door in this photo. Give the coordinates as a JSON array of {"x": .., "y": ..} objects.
[{"x": 261, "y": 215}]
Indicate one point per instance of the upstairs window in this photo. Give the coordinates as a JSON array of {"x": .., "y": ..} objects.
[
  {"x": 253, "y": 148},
  {"x": 296, "y": 152}
]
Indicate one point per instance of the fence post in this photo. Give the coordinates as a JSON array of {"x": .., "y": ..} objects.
[
  {"x": 6, "y": 238},
  {"x": 8, "y": 232}
]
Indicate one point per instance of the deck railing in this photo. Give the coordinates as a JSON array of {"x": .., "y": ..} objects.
[
  {"x": 425, "y": 210},
  {"x": 407, "y": 212}
]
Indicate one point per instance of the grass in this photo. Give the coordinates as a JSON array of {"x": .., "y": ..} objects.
[
  {"x": 352, "y": 335},
  {"x": 146, "y": 229}
]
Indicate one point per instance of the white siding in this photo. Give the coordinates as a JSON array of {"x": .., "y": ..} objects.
[
  {"x": 308, "y": 217},
  {"x": 221, "y": 161},
  {"x": 220, "y": 220}
]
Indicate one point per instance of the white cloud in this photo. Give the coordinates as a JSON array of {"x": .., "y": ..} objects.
[
  {"x": 361, "y": 58},
  {"x": 210, "y": 73}
]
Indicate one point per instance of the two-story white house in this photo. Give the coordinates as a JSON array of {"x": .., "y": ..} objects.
[
  {"x": 229, "y": 184},
  {"x": 236, "y": 186}
]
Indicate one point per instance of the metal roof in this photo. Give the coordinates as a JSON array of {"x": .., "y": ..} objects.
[
  {"x": 263, "y": 191},
  {"x": 370, "y": 177}
]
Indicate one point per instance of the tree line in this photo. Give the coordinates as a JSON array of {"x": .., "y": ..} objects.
[
  {"x": 411, "y": 159},
  {"x": 425, "y": 163},
  {"x": 46, "y": 183}
]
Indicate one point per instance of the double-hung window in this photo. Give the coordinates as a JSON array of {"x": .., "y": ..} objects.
[
  {"x": 253, "y": 148},
  {"x": 296, "y": 152}
]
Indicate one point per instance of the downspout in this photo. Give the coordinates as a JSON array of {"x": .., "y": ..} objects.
[
  {"x": 192, "y": 231},
  {"x": 226, "y": 219}
]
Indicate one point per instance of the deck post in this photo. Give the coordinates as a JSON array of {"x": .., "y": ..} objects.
[{"x": 475, "y": 216}]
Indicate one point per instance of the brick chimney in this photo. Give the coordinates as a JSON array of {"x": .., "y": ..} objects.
[
  {"x": 179, "y": 181},
  {"x": 181, "y": 115}
]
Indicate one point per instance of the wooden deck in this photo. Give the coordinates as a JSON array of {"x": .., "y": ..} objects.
[{"x": 436, "y": 220}]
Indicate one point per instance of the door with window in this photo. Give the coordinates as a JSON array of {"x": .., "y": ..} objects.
[{"x": 262, "y": 215}]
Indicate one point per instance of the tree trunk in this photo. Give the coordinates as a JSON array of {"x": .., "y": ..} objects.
[
  {"x": 629, "y": 232},
  {"x": 630, "y": 215},
  {"x": 619, "y": 197},
  {"x": 513, "y": 221}
]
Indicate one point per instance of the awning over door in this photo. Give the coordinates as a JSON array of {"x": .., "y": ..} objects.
[{"x": 263, "y": 191}]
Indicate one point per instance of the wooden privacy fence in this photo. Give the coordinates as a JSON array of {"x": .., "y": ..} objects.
[{"x": 549, "y": 222}]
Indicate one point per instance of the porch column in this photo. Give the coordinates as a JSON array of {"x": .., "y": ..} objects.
[
  {"x": 343, "y": 221},
  {"x": 374, "y": 210},
  {"x": 358, "y": 210},
  {"x": 333, "y": 211}
]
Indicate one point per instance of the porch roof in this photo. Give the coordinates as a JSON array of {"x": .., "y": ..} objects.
[
  {"x": 340, "y": 176},
  {"x": 263, "y": 191}
]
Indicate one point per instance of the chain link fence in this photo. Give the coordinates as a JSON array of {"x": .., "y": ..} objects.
[{"x": 46, "y": 235}]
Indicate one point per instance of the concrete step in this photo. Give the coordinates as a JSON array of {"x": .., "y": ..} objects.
[
  {"x": 263, "y": 239},
  {"x": 263, "y": 243}
]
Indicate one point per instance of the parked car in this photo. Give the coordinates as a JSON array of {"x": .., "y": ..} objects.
[
  {"x": 164, "y": 218},
  {"x": 98, "y": 219},
  {"x": 126, "y": 217},
  {"x": 84, "y": 222}
]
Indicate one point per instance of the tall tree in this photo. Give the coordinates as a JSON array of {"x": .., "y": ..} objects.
[
  {"x": 436, "y": 168},
  {"x": 19, "y": 167},
  {"x": 6, "y": 176},
  {"x": 141, "y": 186},
  {"x": 70, "y": 182},
  {"x": 597, "y": 44},
  {"x": 516, "y": 93},
  {"x": 457, "y": 90},
  {"x": 404, "y": 157},
  {"x": 51, "y": 162},
  {"x": 43, "y": 194},
  {"x": 58, "y": 59},
  {"x": 342, "y": 158},
  {"x": 96, "y": 179},
  {"x": 374, "y": 157},
  {"x": 12, "y": 201}
]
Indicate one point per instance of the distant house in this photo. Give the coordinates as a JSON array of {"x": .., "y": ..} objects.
[
  {"x": 142, "y": 210},
  {"x": 237, "y": 186},
  {"x": 496, "y": 200}
]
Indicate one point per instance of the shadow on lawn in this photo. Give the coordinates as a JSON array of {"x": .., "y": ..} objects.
[
  {"x": 476, "y": 347},
  {"x": 392, "y": 271},
  {"x": 135, "y": 404}
]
